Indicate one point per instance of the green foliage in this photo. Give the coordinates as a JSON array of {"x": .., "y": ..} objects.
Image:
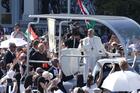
[{"x": 128, "y": 8}]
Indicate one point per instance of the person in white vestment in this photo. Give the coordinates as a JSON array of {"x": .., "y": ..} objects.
[{"x": 93, "y": 48}]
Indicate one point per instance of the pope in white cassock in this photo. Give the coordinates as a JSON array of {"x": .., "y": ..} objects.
[{"x": 93, "y": 49}]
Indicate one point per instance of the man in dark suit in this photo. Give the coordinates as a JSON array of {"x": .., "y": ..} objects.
[
  {"x": 74, "y": 38},
  {"x": 55, "y": 71},
  {"x": 10, "y": 54},
  {"x": 40, "y": 55},
  {"x": 34, "y": 48}
]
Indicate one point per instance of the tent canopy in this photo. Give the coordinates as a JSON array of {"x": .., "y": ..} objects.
[{"x": 124, "y": 28}]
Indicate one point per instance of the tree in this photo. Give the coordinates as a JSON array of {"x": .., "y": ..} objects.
[{"x": 128, "y": 8}]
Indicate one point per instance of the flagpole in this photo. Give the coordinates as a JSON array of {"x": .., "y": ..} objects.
[
  {"x": 29, "y": 45},
  {"x": 69, "y": 8}
]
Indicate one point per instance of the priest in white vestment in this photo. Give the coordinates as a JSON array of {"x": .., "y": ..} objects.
[{"x": 93, "y": 49}]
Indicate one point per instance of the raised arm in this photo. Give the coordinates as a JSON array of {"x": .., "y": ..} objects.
[{"x": 100, "y": 75}]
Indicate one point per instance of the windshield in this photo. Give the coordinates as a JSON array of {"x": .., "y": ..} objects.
[{"x": 128, "y": 33}]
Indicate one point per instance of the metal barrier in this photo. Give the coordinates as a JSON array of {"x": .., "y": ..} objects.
[{"x": 39, "y": 61}]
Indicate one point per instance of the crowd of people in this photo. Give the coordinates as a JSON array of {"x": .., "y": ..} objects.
[{"x": 48, "y": 76}]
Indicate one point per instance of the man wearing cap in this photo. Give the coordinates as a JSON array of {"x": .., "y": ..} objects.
[{"x": 93, "y": 48}]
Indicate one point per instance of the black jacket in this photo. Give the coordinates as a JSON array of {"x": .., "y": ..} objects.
[{"x": 8, "y": 57}]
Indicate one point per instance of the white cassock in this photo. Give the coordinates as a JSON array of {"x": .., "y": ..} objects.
[{"x": 93, "y": 49}]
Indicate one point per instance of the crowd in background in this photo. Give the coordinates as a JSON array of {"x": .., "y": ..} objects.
[{"x": 48, "y": 77}]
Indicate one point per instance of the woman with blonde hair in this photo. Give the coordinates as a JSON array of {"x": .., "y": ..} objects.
[{"x": 44, "y": 81}]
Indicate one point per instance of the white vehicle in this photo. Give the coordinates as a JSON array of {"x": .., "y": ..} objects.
[{"x": 126, "y": 29}]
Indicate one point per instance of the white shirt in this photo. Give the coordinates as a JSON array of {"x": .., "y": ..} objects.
[
  {"x": 16, "y": 34},
  {"x": 90, "y": 90},
  {"x": 58, "y": 91},
  {"x": 93, "y": 45}
]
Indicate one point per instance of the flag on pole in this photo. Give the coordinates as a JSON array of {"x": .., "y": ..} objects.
[
  {"x": 83, "y": 8},
  {"x": 89, "y": 24},
  {"x": 32, "y": 34}
]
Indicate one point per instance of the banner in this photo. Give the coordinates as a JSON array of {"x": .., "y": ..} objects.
[{"x": 51, "y": 35}]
